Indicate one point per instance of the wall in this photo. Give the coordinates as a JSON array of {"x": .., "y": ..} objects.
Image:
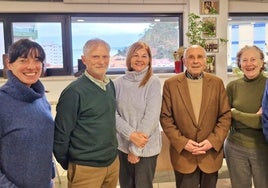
[
  {"x": 246, "y": 7},
  {"x": 128, "y": 7}
]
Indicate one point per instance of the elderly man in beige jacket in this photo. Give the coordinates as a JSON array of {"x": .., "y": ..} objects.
[{"x": 196, "y": 118}]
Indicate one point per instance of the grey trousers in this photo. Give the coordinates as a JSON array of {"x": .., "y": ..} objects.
[
  {"x": 246, "y": 164},
  {"x": 138, "y": 175}
]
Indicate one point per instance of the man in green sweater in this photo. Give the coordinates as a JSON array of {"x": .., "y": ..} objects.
[{"x": 85, "y": 141}]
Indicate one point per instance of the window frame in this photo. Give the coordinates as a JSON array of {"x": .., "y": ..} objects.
[
  {"x": 65, "y": 20},
  {"x": 8, "y": 19}
]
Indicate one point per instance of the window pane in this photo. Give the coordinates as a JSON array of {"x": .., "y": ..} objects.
[
  {"x": 2, "y": 46},
  {"x": 48, "y": 35},
  {"x": 120, "y": 32},
  {"x": 246, "y": 30}
]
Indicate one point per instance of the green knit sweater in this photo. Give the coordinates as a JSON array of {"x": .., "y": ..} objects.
[
  {"x": 85, "y": 130},
  {"x": 245, "y": 97}
]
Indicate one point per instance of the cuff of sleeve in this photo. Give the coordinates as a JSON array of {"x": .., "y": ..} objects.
[{"x": 135, "y": 150}]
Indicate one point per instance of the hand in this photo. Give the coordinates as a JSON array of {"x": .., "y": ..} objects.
[
  {"x": 204, "y": 146},
  {"x": 139, "y": 139},
  {"x": 191, "y": 146},
  {"x": 260, "y": 111},
  {"x": 133, "y": 159}
]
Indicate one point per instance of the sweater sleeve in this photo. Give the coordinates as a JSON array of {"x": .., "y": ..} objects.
[
  {"x": 4, "y": 182},
  {"x": 65, "y": 122},
  {"x": 123, "y": 127},
  {"x": 135, "y": 150},
  {"x": 248, "y": 119},
  {"x": 265, "y": 112},
  {"x": 150, "y": 120}
]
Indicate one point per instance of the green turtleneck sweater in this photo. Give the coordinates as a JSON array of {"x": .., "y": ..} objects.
[{"x": 245, "y": 98}]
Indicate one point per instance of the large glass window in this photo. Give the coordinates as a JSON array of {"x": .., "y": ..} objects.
[
  {"x": 246, "y": 30},
  {"x": 64, "y": 35},
  {"x": 161, "y": 33},
  {"x": 48, "y": 35}
]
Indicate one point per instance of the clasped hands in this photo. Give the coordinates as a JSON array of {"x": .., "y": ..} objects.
[
  {"x": 198, "y": 148},
  {"x": 139, "y": 139}
]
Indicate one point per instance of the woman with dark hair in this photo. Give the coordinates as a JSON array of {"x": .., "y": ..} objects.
[
  {"x": 138, "y": 96},
  {"x": 27, "y": 126},
  {"x": 245, "y": 148}
]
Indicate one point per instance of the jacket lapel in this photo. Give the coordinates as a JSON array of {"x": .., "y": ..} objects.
[{"x": 206, "y": 96}]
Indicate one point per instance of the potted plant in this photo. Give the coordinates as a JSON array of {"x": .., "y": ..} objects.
[
  {"x": 198, "y": 27},
  {"x": 195, "y": 30},
  {"x": 210, "y": 63},
  {"x": 208, "y": 28}
]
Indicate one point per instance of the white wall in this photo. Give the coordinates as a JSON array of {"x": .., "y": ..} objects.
[
  {"x": 244, "y": 7},
  {"x": 58, "y": 7}
]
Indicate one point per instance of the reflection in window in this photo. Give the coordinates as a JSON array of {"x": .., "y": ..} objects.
[
  {"x": 2, "y": 46},
  {"x": 161, "y": 35},
  {"x": 48, "y": 35}
]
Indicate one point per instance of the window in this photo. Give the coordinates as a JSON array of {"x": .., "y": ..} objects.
[
  {"x": 48, "y": 35},
  {"x": 51, "y": 31},
  {"x": 63, "y": 36},
  {"x": 246, "y": 30},
  {"x": 160, "y": 33}
]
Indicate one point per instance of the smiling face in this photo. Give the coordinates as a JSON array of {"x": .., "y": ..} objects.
[
  {"x": 251, "y": 63},
  {"x": 97, "y": 61},
  {"x": 27, "y": 69},
  {"x": 139, "y": 57},
  {"x": 140, "y": 60},
  {"x": 195, "y": 60}
]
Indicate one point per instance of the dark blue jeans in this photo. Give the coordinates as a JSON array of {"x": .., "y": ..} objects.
[{"x": 139, "y": 175}]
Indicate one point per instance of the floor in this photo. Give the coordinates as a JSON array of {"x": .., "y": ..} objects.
[{"x": 163, "y": 179}]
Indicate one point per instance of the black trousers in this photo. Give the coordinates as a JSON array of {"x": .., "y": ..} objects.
[
  {"x": 139, "y": 175},
  {"x": 197, "y": 179}
]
